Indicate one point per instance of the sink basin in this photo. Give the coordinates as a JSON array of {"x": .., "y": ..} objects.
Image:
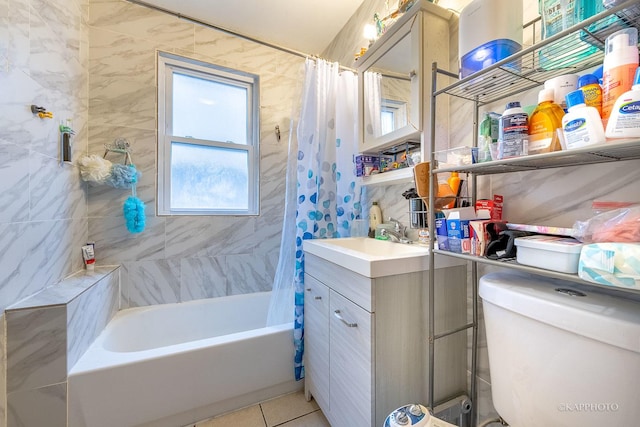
[{"x": 370, "y": 257}]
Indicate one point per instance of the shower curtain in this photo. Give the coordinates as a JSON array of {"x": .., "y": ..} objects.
[
  {"x": 325, "y": 196},
  {"x": 373, "y": 102}
]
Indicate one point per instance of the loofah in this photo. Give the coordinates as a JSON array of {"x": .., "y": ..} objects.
[
  {"x": 94, "y": 168},
  {"x": 122, "y": 176},
  {"x": 134, "y": 214}
]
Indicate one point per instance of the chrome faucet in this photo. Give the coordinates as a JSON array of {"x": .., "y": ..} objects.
[{"x": 399, "y": 233}]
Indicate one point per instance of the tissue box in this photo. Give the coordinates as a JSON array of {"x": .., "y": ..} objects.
[
  {"x": 611, "y": 264},
  {"x": 486, "y": 208},
  {"x": 458, "y": 234},
  {"x": 442, "y": 238},
  {"x": 480, "y": 236}
]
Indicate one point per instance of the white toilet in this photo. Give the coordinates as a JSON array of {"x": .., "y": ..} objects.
[{"x": 561, "y": 355}]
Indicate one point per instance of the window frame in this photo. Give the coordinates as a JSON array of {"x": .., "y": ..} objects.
[{"x": 167, "y": 65}]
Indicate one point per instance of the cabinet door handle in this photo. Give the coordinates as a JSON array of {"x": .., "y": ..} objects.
[
  {"x": 316, "y": 297},
  {"x": 350, "y": 325}
]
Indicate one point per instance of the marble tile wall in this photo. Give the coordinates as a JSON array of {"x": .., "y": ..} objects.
[
  {"x": 45, "y": 335},
  {"x": 181, "y": 258},
  {"x": 43, "y": 219}
]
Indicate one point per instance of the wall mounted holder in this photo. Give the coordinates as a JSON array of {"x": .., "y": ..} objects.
[
  {"x": 41, "y": 112},
  {"x": 66, "y": 152}
]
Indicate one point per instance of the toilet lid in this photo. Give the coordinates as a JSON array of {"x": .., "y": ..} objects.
[{"x": 582, "y": 310}]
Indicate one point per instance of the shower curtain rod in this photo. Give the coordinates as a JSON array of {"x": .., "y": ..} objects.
[{"x": 230, "y": 32}]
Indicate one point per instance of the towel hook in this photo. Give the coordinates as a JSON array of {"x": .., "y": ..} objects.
[{"x": 121, "y": 146}]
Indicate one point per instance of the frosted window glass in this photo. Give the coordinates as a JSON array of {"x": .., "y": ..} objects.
[
  {"x": 206, "y": 109},
  {"x": 204, "y": 177}
]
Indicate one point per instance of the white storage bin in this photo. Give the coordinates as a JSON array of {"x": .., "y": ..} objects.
[{"x": 549, "y": 252}]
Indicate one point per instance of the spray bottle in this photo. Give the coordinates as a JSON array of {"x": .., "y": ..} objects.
[{"x": 619, "y": 67}]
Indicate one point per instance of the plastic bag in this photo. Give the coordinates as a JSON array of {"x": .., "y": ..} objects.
[{"x": 616, "y": 225}]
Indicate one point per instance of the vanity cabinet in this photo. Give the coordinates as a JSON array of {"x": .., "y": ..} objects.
[{"x": 366, "y": 338}]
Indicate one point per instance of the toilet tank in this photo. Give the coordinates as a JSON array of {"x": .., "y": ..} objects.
[{"x": 561, "y": 354}]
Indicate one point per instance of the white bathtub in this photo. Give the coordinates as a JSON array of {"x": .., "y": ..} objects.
[{"x": 174, "y": 364}]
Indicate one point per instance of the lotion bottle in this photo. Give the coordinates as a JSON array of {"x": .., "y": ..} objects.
[
  {"x": 619, "y": 66},
  {"x": 624, "y": 121},
  {"x": 375, "y": 216},
  {"x": 581, "y": 126}
]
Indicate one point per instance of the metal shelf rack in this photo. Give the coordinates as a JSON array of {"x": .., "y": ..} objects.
[{"x": 518, "y": 73}]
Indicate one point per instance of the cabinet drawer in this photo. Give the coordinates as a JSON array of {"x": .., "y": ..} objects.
[
  {"x": 351, "y": 380},
  {"x": 355, "y": 287},
  {"x": 316, "y": 340}
]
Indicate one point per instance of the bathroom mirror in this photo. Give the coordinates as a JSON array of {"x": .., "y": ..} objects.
[{"x": 390, "y": 88}]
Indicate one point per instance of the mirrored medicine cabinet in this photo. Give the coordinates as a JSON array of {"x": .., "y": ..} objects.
[
  {"x": 394, "y": 84},
  {"x": 390, "y": 87}
]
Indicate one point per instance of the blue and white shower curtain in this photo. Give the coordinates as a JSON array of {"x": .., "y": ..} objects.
[{"x": 327, "y": 191}]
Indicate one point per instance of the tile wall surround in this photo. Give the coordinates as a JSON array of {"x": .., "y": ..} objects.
[
  {"x": 45, "y": 335},
  {"x": 181, "y": 258},
  {"x": 43, "y": 219}
]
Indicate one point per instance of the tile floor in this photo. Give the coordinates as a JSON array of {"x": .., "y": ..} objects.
[{"x": 290, "y": 410}]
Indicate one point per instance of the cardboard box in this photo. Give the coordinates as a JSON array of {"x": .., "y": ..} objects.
[
  {"x": 458, "y": 234},
  {"x": 480, "y": 235},
  {"x": 441, "y": 234},
  {"x": 491, "y": 209},
  {"x": 367, "y": 164}
]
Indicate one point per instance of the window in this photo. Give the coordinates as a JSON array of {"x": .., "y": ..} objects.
[
  {"x": 393, "y": 115},
  {"x": 208, "y": 158}
]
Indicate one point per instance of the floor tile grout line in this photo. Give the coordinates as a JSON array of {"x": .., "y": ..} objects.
[
  {"x": 264, "y": 418},
  {"x": 295, "y": 418}
]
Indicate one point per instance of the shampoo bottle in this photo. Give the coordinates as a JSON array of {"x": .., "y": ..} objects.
[
  {"x": 624, "y": 121},
  {"x": 544, "y": 122},
  {"x": 581, "y": 126},
  {"x": 619, "y": 66}
]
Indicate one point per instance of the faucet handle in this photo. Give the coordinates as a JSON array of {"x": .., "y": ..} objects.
[{"x": 398, "y": 225}]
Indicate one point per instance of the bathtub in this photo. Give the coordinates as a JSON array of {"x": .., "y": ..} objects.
[{"x": 174, "y": 364}]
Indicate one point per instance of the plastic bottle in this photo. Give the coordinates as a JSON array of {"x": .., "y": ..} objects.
[
  {"x": 619, "y": 66},
  {"x": 558, "y": 16},
  {"x": 624, "y": 121},
  {"x": 513, "y": 132},
  {"x": 454, "y": 183},
  {"x": 581, "y": 126},
  {"x": 544, "y": 122},
  {"x": 561, "y": 86},
  {"x": 375, "y": 216},
  {"x": 592, "y": 91}
]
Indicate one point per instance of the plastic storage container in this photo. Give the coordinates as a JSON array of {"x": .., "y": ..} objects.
[
  {"x": 490, "y": 30},
  {"x": 549, "y": 252}
]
